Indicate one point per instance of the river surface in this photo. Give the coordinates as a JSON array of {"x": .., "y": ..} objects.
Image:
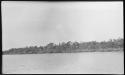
[{"x": 64, "y": 63}]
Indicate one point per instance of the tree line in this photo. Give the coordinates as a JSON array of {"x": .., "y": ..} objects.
[{"x": 71, "y": 47}]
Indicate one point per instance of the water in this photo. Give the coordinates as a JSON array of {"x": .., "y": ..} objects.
[{"x": 64, "y": 63}]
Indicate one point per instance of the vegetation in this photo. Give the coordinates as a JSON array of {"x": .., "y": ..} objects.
[{"x": 68, "y": 47}]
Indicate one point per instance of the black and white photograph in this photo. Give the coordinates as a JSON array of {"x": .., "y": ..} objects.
[{"x": 84, "y": 37}]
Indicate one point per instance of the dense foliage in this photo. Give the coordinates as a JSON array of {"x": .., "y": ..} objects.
[{"x": 68, "y": 47}]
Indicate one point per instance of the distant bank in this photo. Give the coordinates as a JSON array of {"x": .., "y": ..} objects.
[{"x": 71, "y": 47}]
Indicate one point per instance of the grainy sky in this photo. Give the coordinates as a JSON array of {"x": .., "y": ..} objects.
[{"x": 38, "y": 23}]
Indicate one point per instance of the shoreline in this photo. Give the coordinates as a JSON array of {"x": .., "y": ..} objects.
[{"x": 120, "y": 51}]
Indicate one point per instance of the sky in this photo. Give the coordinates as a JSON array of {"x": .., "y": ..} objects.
[{"x": 39, "y": 23}]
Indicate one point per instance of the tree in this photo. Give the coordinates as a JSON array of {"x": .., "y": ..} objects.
[{"x": 50, "y": 45}]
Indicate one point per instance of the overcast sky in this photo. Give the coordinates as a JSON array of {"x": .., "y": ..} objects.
[{"x": 38, "y": 23}]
